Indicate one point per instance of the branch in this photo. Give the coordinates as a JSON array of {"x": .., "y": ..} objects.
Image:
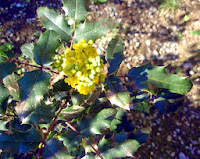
[
  {"x": 51, "y": 126},
  {"x": 74, "y": 129},
  {"x": 39, "y": 67}
]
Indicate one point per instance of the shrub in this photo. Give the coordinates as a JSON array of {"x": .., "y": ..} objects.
[{"x": 71, "y": 103}]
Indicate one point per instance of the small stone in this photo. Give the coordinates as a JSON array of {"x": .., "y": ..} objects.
[
  {"x": 196, "y": 23},
  {"x": 169, "y": 138},
  {"x": 137, "y": 44},
  {"x": 177, "y": 130},
  {"x": 148, "y": 42},
  {"x": 181, "y": 155},
  {"x": 172, "y": 154}
]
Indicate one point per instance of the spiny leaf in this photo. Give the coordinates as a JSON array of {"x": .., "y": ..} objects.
[
  {"x": 3, "y": 125},
  {"x": 150, "y": 77},
  {"x": 6, "y": 68},
  {"x": 125, "y": 149},
  {"x": 54, "y": 149},
  {"x": 33, "y": 86},
  {"x": 61, "y": 86},
  {"x": 4, "y": 94},
  {"x": 43, "y": 114},
  {"x": 54, "y": 21},
  {"x": 27, "y": 50},
  {"x": 93, "y": 30},
  {"x": 75, "y": 9},
  {"x": 114, "y": 54},
  {"x": 43, "y": 50},
  {"x": 116, "y": 93},
  {"x": 11, "y": 84},
  {"x": 88, "y": 128},
  {"x": 21, "y": 140}
]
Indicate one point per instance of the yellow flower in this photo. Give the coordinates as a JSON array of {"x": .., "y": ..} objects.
[{"x": 84, "y": 69}]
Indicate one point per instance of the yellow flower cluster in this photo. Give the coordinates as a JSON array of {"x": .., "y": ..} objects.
[{"x": 84, "y": 69}]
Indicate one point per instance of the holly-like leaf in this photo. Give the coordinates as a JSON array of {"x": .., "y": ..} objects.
[
  {"x": 3, "y": 125},
  {"x": 75, "y": 9},
  {"x": 114, "y": 54},
  {"x": 3, "y": 98},
  {"x": 43, "y": 50},
  {"x": 11, "y": 84},
  {"x": 93, "y": 30},
  {"x": 87, "y": 127},
  {"x": 54, "y": 149},
  {"x": 116, "y": 93},
  {"x": 27, "y": 50},
  {"x": 125, "y": 149},
  {"x": 20, "y": 139},
  {"x": 32, "y": 88},
  {"x": 150, "y": 78},
  {"x": 43, "y": 114},
  {"x": 54, "y": 21},
  {"x": 6, "y": 68},
  {"x": 61, "y": 86}
]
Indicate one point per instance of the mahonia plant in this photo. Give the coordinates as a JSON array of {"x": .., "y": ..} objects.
[{"x": 68, "y": 101}]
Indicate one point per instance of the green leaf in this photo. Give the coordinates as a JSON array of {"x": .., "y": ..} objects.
[
  {"x": 3, "y": 125},
  {"x": 61, "y": 86},
  {"x": 27, "y": 50},
  {"x": 195, "y": 32},
  {"x": 150, "y": 77},
  {"x": 32, "y": 88},
  {"x": 87, "y": 127},
  {"x": 21, "y": 140},
  {"x": 100, "y": 121},
  {"x": 3, "y": 99},
  {"x": 77, "y": 98},
  {"x": 44, "y": 49},
  {"x": 116, "y": 93},
  {"x": 54, "y": 21},
  {"x": 6, "y": 47},
  {"x": 126, "y": 149},
  {"x": 43, "y": 114},
  {"x": 71, "y": 112},
  {"x": 75, "y": 9},
  {"x": 114, "y": 54},
  {"x": 103, "y": 1},
  {"x": 6, "y": 51},
  {"x": 6, "y": 68},
  {"x": 3, "y": 54},
  {"x": 93, "y": 30},
  {"x": 11, "y": 84},
  {"x": 118, "y": 119},
  {"x": 55, "y": 149}
]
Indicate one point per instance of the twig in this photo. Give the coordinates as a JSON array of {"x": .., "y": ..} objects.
[
  {"x": 39, "y": 67},
  {"x": 74, "y": 129},
  {"x": 51, "y": 126}
]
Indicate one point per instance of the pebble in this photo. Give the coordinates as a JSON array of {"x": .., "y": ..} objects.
[
  {"x": 181, "y": 155},
  {"x": 169, "y": 138},
  {"x": 172, "y": 154},
  {"x": 137, "y": 44},
  {"x": 148, "y": 42}
]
